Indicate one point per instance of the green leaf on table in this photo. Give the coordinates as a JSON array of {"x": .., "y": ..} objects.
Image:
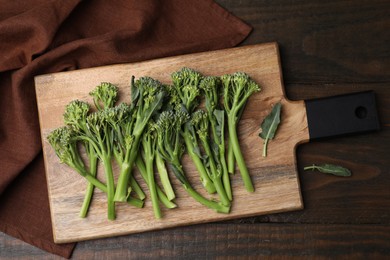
[
  {"x": 336, "y": 170},
  {"x": 270, "y": 125}
]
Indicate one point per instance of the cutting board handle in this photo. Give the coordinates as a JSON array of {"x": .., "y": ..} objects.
[{"x": 342, "y": 115}]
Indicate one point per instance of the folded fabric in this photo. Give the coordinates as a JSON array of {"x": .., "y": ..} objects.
[{"x": 39, "y": 37}]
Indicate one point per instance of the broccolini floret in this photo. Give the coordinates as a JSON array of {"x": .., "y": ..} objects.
[
  {"x": 75, "y": 115},
  {"x": 186, "y": 82},
  {"x": 104, "y": 95}
]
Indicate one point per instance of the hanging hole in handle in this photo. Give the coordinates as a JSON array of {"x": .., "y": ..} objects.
[{"x": 361, "y": 112}]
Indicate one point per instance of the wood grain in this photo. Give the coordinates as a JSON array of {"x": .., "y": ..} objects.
[
  {"x": 230, "y": 241},
  {"x": 327, "y": 42},
  {"x": 275, "y": 177}
]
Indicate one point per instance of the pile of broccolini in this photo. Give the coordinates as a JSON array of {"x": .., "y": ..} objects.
[{"x": 161, "y": 123}]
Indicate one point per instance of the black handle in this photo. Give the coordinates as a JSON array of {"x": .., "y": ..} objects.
[{"x": 342, "y": 115}]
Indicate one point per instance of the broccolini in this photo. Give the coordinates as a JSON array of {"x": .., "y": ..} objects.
[
  {"x": 187, "y": 92},
  {"x": 147, "y": 98},
  {"x": 171, "y": 147},
  {"x": 237, "y": 88}
]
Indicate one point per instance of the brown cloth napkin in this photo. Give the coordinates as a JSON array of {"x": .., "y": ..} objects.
[{"x": 41, "y": 36}]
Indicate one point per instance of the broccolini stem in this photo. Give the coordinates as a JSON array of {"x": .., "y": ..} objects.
[
  {"x": 231, "y": 159},
  {"x": 238, "y": 154},
  {"x": 110, "y": 187},
  {"x": 90, "y": 187},
  {"x": 215, "y": 175},
  {"x": 121, "y": 188},
  {"x": 204, "y": 177},
  {"x": 163, "y": 198},
  {"x": 95, "y": 182},
  {"x": 152, "y": 184},
  {"x": 135, "y": 202},
  {"x": 219, "y": 207},
  {"x": 225, "y": 176},
  {"x": 220, "y": 140},
  {"x": 92, "y": 179},
  {"x": 124, "y": 176},
  {"x": 221, "y": 192},
  {"x": 208, "y": 203},
  {"x": 225, "y": 172},
  {"x": 135, "y": 186},
  {"x": 162, "y": 170}
]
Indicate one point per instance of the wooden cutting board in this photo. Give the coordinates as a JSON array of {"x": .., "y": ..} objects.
[{"x": 275, "y": 177}]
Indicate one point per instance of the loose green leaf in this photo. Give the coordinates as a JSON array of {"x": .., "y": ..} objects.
[
  {"x": 270, "y": 125},
  {"x": 336, "y": 170}
]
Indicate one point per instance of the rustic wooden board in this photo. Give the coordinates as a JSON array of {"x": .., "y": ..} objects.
[{"x": 275, "y": 177}]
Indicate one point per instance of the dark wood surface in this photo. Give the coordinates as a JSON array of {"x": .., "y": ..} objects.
[{"x": 327, "y": 48}]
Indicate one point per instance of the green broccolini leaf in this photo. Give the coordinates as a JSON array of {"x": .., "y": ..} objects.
[
  {"x": 219, "y": 128},
  {"x": 333, "y": 169},
  {"x": 270, "y": 125},
  {"x": 134, "y": 92}
]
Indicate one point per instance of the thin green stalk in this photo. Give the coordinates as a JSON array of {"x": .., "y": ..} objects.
[
  {"x": 225, "y": 172},
  {"x": 208, "y": 203},
  {"x": 90, "y": 187},
  {"x": 110, "y": 187},
  {"x": 91, "y": 179},
  {"x": 205, "y": 179},
  {"x": 124, "y": 176},
  {"x": 135, "y": 202},
  {"x": 137, "y": 188},
  {"x": 226, "y": 177},
  {"x": 221, "y": 192},
  {"x": 122, "y": 186},
  {"x": 231, "y": 159},
  {"x": 220, "y": 140},
  {"x": 166, "y": 183},
  {"x": 95, "y": 182},
  {"x": 215, "y": 175},
  {"x": 161, "y": 195},
  {"x": 152, "y": 184},
  {"x": 230, "y": 156},
  {"x": 198, "y": 197},
  {"x": 238, "y": 155}
]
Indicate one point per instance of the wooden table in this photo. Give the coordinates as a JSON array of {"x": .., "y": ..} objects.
[{"x": 327, "y": 48}]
